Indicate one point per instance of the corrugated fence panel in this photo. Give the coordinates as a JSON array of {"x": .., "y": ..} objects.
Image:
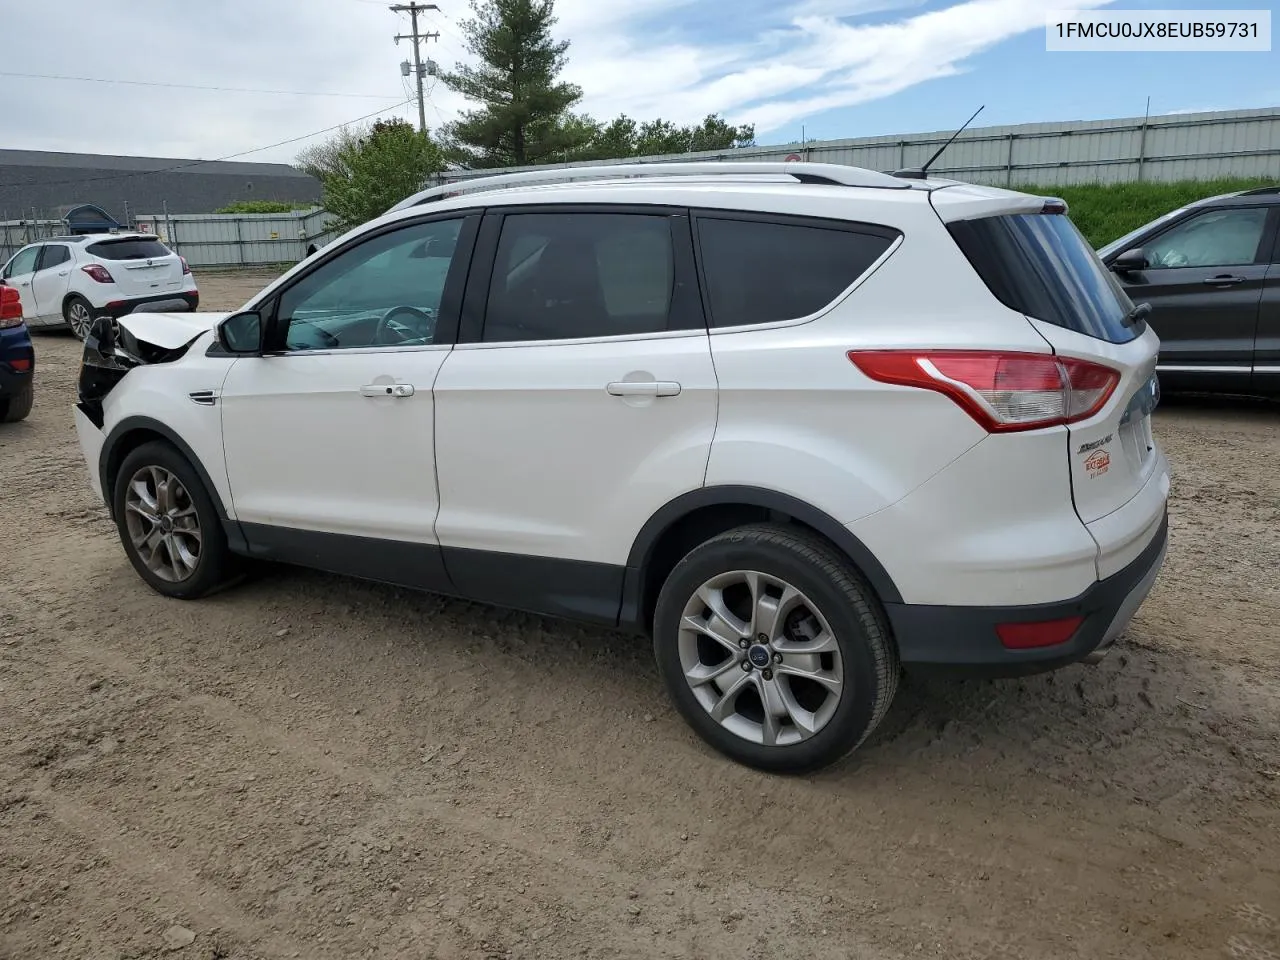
[{"x": 240, "y": 240}]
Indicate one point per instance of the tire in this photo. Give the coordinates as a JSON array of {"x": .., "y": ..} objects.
[
  {"x": 831, "y": 628},
  {"x": 19, "y": 405},
  {"x": 180, "y": 563},
  {"x": 78, "y": 312}
]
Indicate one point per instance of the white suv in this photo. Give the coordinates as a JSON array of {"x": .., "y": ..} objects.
[
  {"x": 69, "y": 281},
  {"x": 801, "y": 423}
]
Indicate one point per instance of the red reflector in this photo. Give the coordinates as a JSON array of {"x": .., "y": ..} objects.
[
  {"x": 20, "y": 366},
  {"x": 1041, "y": 633}
]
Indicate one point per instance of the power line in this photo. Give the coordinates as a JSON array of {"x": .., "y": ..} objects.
[
  {"x": 441, "y": 24},
  {"x": 197, "y": 163},
  {"x": 194, "y": 86}
]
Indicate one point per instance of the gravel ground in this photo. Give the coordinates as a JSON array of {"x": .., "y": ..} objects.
[{"x": 306, "y": 766}]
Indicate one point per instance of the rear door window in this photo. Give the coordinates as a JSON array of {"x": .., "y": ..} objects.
[
  {"x": 769, "y": 270},
  {"x": 54, "y": 255},
  {"x": 565, "y": 276},
  {"x": 1040, "y": 265},
  {"x": 129, "y": 248}
]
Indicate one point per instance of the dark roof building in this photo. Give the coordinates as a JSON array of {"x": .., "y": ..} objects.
[{"x": 53, "y": 183}]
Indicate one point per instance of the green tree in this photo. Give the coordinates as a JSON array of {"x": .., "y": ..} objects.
[
  {"x": 623, "y": 137},
  {"x": 523, "y": 110},
  {"x": 365, "y": 171}
]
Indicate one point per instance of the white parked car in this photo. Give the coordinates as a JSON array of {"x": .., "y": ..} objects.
[
  {"x": 801, "y": 423},
  {"x": 69, "y": 281}
]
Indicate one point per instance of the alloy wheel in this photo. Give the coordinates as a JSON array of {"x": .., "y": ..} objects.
[
  {"x": 760, "y": 658},
  {"x": 80, "y": 319},
  {"x": 163, "y": 524}
]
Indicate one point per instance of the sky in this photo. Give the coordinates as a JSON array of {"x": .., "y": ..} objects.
[{"x": 821, "y": 69}]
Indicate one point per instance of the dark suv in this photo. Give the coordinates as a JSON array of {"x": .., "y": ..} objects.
[{"x": 1211, "y": 272}]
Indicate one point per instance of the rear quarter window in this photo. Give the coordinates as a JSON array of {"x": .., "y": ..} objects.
[
  {"x": 1040, "y": 265},
  {"x": 128, "y": 249},
  {"x": 764, "y": 271}
]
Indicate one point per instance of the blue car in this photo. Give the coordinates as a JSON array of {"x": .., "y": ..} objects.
[{"x": 17, "y": 359}]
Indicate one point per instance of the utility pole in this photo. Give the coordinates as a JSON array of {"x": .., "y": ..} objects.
[{"x": 419, "y": 71}]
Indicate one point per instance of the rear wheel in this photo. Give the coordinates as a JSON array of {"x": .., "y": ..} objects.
[
  {"x": 17, "y": 407},
  {"x": 167, "y": 522},
  {"x": 774, "y": 649},
  {"x": 78, "y": 312}
]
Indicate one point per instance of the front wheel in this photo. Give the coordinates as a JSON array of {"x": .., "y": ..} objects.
[
  {"x": 774, "y": 649},
  {"x": 167, "y": 522}
]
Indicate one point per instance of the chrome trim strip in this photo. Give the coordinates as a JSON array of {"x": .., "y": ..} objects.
[{"x": 1193, "y": 368}]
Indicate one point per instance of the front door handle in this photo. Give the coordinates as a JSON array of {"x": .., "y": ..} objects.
[
  {"x": 643, "y": 388},
  {"x": 1225, "y": 280},
  {"x": 387, "y": 390}
]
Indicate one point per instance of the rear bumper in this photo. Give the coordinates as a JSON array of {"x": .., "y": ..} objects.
[
  {"x": 964, "y": 638},
  {"x": 12, "y": 383},
  {"x": 15, "y": 346},
  {"x": 175, "y": 302}
]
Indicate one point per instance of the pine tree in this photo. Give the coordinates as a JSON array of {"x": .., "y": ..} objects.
[{"x": 524, "y": 107}]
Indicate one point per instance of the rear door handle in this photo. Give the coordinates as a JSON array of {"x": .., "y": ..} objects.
[
  {"x": 1222, "y": 281},
  {"x": 63, "y": 273},
  {"x": 643, "y": 388},
  {"x": 387, "y": 390}
]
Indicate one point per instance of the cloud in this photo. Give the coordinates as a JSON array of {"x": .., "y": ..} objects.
[
  {"x": 771, "y": 62},
  {"x": 811, "y": 62}
]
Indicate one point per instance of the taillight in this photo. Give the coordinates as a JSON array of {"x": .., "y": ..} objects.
[
  {"x": 98, "y": 272},
  {"x": 185, "y": 269},
  {"x": 10, "y": 307},
  {"x": 1002, "y": 391},
  {"x": 21, "y": 365}
]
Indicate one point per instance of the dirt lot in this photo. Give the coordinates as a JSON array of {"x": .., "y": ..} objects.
[{"x": 313, "y": 767}]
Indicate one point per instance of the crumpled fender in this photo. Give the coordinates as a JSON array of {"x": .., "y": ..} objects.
[{"x": 169, "y": 331}]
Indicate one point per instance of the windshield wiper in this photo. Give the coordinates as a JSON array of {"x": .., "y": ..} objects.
[{"x": 1140, "y": 312}]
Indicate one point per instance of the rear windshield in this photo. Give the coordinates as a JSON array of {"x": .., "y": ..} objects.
[
  {"x": 1040, "y": 265},
  {"x": 128, "y": 248}
]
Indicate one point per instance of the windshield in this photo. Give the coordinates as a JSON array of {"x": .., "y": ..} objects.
[{"x": 1040, "y": 265}]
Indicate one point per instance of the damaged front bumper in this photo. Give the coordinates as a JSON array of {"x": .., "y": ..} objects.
[{"x": 110, "y": 352}]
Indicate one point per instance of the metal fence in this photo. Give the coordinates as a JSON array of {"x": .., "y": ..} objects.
[
  {"x": 215, "y": 240},
  {"x": 1198, "y": 146},
  {"x": 1193, "y": 146}
]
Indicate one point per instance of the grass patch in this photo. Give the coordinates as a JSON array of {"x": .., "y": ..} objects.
[{"x": 1106, "y": 211}]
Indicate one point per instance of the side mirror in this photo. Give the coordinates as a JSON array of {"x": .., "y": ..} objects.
[
  {"x": 241, "y": 332},
  {"x": 1130, "y": 261}
]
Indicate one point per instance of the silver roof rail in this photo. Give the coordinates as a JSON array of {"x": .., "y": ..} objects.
[{"x": 826, "y": 173}]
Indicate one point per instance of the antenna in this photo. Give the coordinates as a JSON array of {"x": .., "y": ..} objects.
[{"x": 922, "y": 173}]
